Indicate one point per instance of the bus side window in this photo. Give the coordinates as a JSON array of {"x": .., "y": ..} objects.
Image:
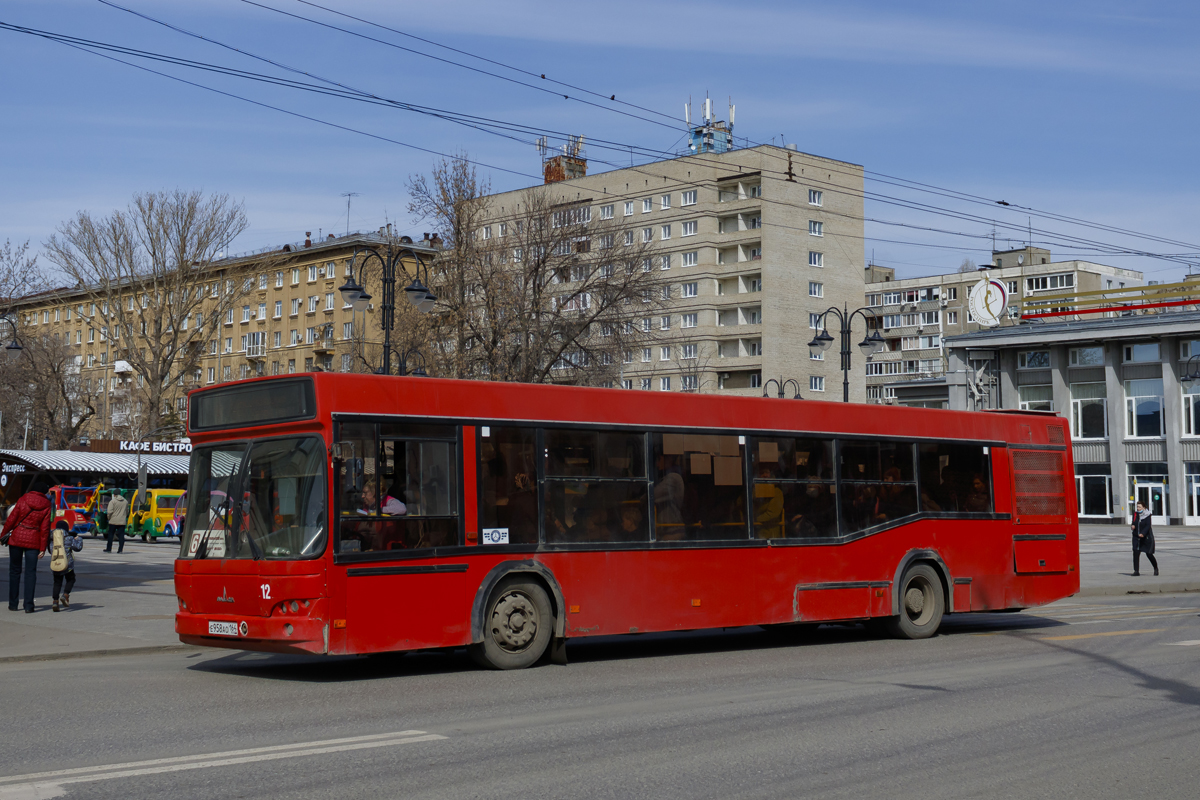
[
  {"x": 794, "y": 492},
  {"x": 876, "y": 483},
  {"x": 507, "y": 475},
  {"x": 359, "y": 467},
  {"x": 955, "y": 478},
  {"x": 699, "y": 487},
  {"x": 595, "y": 489}
]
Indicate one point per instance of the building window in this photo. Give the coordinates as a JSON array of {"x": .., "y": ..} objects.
[
  {"x": 647, "y": 235},
  {"x": 814, "y": 320},
  {"x": 754, "y": 347},
  {"x": 295, "y": 340},
  {"x": 892, "y": 298},
  {"x": 212, "y": 374},
  {"x": 816, "y": 383},
  {"x": 816, "y": 289},
  {"x": 691, "y": 289},
  {"x": 930, "y": 317},
  {"x": 629, "y": 209},
  {"x": 951, "y": 293},
  {"x": 819, "y": 355},
  {"x": 1191, "y": 412},
  {"x": 666, "y": 202},
  {"x": 815, "y": 197},
  {"x": 278, "y": 309},
  {"x": 1087, "y": 357},
  {"x": 606, "y": 212},
  {"x": 1144, "y": 408},
  {"x": 689, "y": 228},
  {"x": 312, "y": 272},
  {"x": 1089, "y": 411},
  {"x": 245, "y": 313},
  {"x": 816, "y": 259},
  {"x": 664, "y": 354},
  {"x": 816, "y": 228},
  {"x": 647, "y": 205},
  {"x": 1012, "y": 287},
  {"x": 1036, "y": 398},
  {"x": 690, "y": 259},
  {"x": 347, "y": 330},
  {"x": 664, "y": 323},
  {"x": 1043, "y": 282},
  {"x": 329, "y": 301},
  {"x": 951, "y": 317},
  {"x": 665, "y": 261},
  {"x": 295, "y": 306},
  {"x": 755, "y": 223},
  {"x": 1140, "y": 353},
  {"x": 688, "y": 320},
  {"x": 276, "y": 338},
  {"x": 646, "y": 355},
  {"x": 1033, "y": 359},
  {"x": 666, "y": 232},
  {"x": 688, "y": 352},
  {"x": 312, "y": 303}
]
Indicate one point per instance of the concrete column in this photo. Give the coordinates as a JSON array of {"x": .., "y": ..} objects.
[
  {"x": 1173, "y": 427},
  {"x": 1116, "y": 428},
  {"x": 1008, "y": 379},
  {"x": 1059, "y": 381}
]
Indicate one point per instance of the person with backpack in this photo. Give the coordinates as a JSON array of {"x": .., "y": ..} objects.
[
  {"x": 63, "y": 546},
  {"x": 27, "y": 534}
]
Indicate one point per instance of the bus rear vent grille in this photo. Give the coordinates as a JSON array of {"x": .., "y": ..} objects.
[
  {"x": 1054, "y": 434},
  {"x": 1039, "y": 482}
]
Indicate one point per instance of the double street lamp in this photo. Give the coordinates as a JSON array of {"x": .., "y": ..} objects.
[
  {"x": 871, "y": 343},
  {"x": 357, "y": 296}
]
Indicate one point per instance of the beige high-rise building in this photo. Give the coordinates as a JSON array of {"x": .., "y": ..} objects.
[{"x": 755, "y": 245}]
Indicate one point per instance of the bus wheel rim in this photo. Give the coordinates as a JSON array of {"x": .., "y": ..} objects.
[
  {"x": 918, "y": 601},
  {"x": 514, "y": 622}
]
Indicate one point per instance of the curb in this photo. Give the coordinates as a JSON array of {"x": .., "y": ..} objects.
[
  {"x": 1150, "y": 588},
  {"x": 116, "y": 651}
]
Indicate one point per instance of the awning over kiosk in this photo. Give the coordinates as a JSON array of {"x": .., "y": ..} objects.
[
  {"x": 100, "y": 463},
  {"x": 18, "y": 468}
]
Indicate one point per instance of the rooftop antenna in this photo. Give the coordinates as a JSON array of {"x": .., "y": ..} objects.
[
  {"x": 348, "y": 195},
  {"x": 732, "y": 108},
  {"x": 541, "y": 146},
  {"x": 687, "y": 111}
]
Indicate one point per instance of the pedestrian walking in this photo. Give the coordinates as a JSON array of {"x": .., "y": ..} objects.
[
  {"x": 27, "y": 533},
  {"x": 63, "y": 546},
  {"x": 118, "y": 515},
  {"x": 1143, "y": 538}
]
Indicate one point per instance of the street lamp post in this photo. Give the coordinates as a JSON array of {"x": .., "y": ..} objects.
[
  {"x": 782, "y": 386},
  {"x": 356, "y": 295},
  {"x": 871, "y": 343},
  {"x": 14, "y": 346}
]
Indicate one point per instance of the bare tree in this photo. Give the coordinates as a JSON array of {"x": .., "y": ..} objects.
[
  {"x": 156, "y": 283},
  {"x": 967, "y": 265},
  {"x": 540, "y": 292},
  {"x": 51, "y": 394}
]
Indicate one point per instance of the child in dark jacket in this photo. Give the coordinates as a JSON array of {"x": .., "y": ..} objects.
[{"x": 62, "y": 549}]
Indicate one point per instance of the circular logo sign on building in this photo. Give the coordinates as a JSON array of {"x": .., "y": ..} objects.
[{"x": 987, "y": 302}]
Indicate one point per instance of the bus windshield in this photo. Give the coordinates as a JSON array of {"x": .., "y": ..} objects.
[{"x": 282, "y": 509}]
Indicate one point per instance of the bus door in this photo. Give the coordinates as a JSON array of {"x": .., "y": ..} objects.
[{"x": 399, "y": 508}]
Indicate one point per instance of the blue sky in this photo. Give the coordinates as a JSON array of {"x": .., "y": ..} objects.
[{"x": 1081, "y": 109}]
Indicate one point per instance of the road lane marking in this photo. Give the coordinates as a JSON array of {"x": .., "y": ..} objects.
[
  {"x": 1094, "y": 635},
  {"x": 47, "y": 783},
  {"x": 1188, "y": 643}
]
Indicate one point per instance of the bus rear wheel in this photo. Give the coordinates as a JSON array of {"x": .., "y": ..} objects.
[
  {"x": 518, "y": 626},
  {"x": 922, "y": 604}
]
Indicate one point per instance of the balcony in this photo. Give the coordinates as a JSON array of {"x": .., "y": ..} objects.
[
  {"x": 322, "y": 346},
  {"x": 256, "y": 351}
]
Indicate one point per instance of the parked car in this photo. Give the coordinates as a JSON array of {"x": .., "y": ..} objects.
[
  {"x": 151, "y": 517},
  {"x": 73, "y": 504},
  {"x": 175, "y": 523}
]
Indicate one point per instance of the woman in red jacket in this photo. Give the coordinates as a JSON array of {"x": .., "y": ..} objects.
[{"x": 29, "y": 525}]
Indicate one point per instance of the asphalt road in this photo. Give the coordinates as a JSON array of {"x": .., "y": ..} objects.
[{"x": 1087, "y": 698}]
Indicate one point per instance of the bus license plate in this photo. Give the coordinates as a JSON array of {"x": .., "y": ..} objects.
[{"x": 223, "y": 628}]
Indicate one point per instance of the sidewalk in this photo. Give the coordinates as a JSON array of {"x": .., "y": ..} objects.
[
  {"x": 126, "y": 603},
  {"x": 120, "y": 602}
]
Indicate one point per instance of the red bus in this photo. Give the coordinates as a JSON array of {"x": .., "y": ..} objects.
[{"x": 341, "y": 514}]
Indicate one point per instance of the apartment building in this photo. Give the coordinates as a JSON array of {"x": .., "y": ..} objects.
[
  {"x": 915, "y": 315},
  {"x": 287, "y": 317},
  {"x": 753, "y": 246}
]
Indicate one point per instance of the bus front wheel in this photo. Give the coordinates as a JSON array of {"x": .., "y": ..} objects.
[
  {"x": 518, "y": 625},
  {"x": 922, "y": 604}
]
